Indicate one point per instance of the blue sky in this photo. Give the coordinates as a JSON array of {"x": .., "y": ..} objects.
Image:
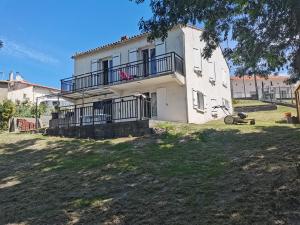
[{"x": 41, "y": 36}]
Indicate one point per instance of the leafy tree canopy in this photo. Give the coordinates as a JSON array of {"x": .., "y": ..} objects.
[{"x": 266, "y": 32}]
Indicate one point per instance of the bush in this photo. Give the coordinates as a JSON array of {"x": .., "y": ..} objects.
[{"x": 7, "y": 111}]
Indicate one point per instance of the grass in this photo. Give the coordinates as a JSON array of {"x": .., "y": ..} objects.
[{"x": 191, "y": 174}]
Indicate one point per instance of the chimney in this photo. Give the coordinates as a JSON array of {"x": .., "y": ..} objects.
[
  {"x": 11, "y": 76},
  {"x": 124, "y": 38},
  {"x": 19, "y": 77}
]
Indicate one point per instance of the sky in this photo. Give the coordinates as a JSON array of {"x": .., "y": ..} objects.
[{"x": 41, "y": 36}]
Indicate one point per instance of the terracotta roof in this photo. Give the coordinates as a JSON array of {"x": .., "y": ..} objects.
[
  {"x": 271, "y": 77},
  {"x": 113, "y": 44},
  {"x": 36, "y": 85}
]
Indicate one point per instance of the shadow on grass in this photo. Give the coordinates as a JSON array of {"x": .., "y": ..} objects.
[{"x": 198, "y": 177}]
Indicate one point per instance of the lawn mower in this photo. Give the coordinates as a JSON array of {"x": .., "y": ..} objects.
[{"x": 237, "y": 118}]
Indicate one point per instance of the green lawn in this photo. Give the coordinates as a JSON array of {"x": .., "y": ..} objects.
[{"x": 191, "y": 174}]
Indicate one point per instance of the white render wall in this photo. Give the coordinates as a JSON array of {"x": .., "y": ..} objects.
[
  {"x": 174, "y": 43},
  {"x": 24, "y": 92},
  {"x": 174, "y": 102},
  {"x": 201, "y": 82}
]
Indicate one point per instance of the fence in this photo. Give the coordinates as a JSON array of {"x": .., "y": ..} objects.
[
  {"x": 272, "y": 94},
  {"x": 161, "y": 64},
  {"x": 128, "y": 108}
]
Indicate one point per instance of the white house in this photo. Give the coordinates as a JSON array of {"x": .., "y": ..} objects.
[
  {"x": 272, "y": 87},
  {"x": 178, "y": 82},
  {"x": 17, "y": 89}
]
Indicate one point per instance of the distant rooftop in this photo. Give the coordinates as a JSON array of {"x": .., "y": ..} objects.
[{"x": 271, "y": 77}]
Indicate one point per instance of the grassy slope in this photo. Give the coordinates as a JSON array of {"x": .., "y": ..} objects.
[{"x": 193, "y": 174}]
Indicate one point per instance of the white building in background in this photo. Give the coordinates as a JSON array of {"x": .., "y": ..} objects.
[
  {"x": 19, "y": 90},
  {"x": 273, "y": 87},
  {"x": 182, "y": 85}
]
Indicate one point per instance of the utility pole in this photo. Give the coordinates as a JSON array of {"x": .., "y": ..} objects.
[
  {"x": 256, "y": 88},
  {"x": 244, "y": 86}
]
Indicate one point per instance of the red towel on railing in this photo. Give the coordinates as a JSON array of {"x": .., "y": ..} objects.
[{"x": 125, "y": 76}]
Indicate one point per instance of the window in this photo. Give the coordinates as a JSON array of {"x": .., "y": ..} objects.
[
  {"x": 198, "y": 100},
  {"x": 197, "y": 58},
  {"x": 212, "y": 71},
  {"x": 225, "y": 103},
  {"x": 224, "y": 77},
  {"x": 24, "y": 96}
]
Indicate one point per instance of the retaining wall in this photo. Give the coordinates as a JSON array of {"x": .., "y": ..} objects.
[{"x": 102, "y": 131}]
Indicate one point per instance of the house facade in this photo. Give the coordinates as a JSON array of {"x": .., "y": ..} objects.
[
  {"x": 274, "y": 87},
  {"x": 161, "y": 80},
  {"x": 18, "y": 90}
]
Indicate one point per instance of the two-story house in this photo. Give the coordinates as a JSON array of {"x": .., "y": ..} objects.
[{"x": 161, "y": 80}]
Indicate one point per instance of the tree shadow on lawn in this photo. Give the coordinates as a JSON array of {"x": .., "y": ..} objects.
[{"x": 204, "y": 177}]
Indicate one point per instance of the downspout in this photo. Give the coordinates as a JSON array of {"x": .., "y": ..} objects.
[{"x": 185, "y": 74}]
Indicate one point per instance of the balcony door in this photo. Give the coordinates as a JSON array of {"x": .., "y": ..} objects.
[
  {"x": 107, "y": 73},
  {"x": 149, "y": 62}
]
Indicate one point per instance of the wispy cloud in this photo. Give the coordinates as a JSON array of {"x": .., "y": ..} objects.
[{"x": 19, "y": 50}]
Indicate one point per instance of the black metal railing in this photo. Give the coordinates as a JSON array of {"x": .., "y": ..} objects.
[
  {"x": 159, "y": 65},
  {"x": 106, "y": 111}
]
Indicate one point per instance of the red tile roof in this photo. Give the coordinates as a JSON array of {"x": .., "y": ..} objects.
[
  {"x": 271, "y": 77},
  {"x": 36, "y": 85}
]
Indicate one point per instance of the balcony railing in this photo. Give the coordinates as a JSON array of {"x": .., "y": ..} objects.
[
  {"x": 128, "y": 108},
  {"x": 159, "y": 65}
]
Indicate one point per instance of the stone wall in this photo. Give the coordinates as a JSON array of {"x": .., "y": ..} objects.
[
  {"x": 255, "y": 108},
  {"x": 108, "y": 130}
]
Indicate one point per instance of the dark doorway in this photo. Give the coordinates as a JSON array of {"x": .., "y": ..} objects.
[
  {"x": 145, "y": 55},
  {"x": 105, "y": 71}
]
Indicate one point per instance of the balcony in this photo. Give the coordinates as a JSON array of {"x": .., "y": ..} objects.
[
  {"x": 125, "y": 109},
  {"x": 113, "y": 79}
]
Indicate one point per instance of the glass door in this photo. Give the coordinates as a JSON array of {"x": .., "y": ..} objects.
[
  {"x": 152, "y": 61},
  {"x": 145, "y": 56}
]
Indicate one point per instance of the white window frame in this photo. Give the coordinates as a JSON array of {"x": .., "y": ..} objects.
[
  {"x": 196, "y": 102},
  {"x": 225, "y": 103}
]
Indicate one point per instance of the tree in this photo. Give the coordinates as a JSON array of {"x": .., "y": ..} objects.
[
  {"x": 7, "y": 111},
  {"x": 266, "y": 32}
]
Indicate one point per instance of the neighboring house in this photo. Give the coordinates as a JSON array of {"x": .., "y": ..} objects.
[
  {"x": 273, "y": 87},
  {"x": 16, "y": 89},
  {"x": 3, "y": 90},
  {"x": 162, "y": 80}
]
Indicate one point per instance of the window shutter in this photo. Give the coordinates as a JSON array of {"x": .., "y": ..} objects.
[
  {"x": 132, "y": 57},
  {"x": 206, "y": 102},
  {"x": 94, "y": 65},
  {"x": 195, "y": 99},
  {"x": 160, "y": 47},
  {"x": 224, "y": 77},
  {"x": 116, "y": 61},
  {"x": 212, "y": 71},
  {"x": 197, "y": 58}
]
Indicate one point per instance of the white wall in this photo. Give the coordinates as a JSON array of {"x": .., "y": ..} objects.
[
  {"x": 21, "y": 92},
  {"x": 82, "y": 64},
  {"x": 175, "y": 103},
  {"x": 273, "y": 82},
  {"x": 201, "y": 82}
]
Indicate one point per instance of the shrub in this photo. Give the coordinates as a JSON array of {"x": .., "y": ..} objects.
[{"x": 7, "y": 111}]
